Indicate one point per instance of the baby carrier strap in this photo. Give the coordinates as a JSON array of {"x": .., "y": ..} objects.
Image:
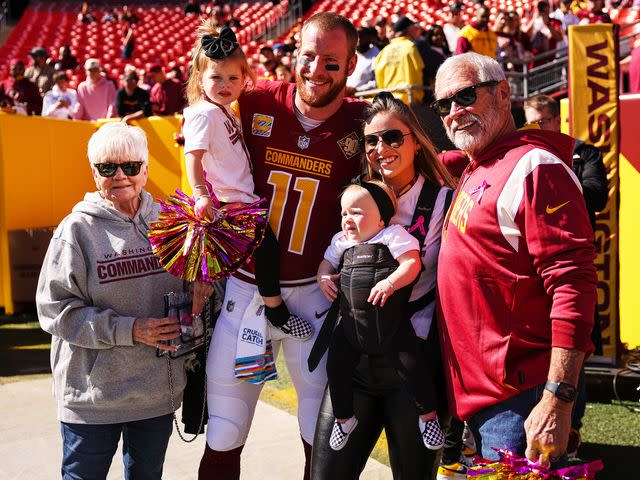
[
  {"x": 423, "y": 211},
  {"x": 419, "y": 229}
]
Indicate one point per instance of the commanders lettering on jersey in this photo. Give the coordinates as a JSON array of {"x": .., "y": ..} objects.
[
  {"x": 460, "y": 211},
  {"x": 300, "y": 163}
]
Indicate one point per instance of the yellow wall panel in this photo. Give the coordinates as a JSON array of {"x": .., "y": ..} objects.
[
  {"x": 44, "y": 172},
  {"x": 629, "y": 254}
]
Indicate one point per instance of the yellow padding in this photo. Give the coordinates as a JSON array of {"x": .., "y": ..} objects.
[{"x": 44, "y": 172}]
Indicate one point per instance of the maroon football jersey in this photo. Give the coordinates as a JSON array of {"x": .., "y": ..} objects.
[{"x": 300, "y": 173}]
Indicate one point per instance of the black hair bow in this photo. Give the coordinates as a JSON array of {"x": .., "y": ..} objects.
[{"x": 219, "y": 46}]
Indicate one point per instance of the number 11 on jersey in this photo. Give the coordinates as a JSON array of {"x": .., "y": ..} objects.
[{"x": 308, "y": 189}]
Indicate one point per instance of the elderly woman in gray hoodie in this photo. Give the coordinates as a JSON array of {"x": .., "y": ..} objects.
[{"x": 100, "y": 295}]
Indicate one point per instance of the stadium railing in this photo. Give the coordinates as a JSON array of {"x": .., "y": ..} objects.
[{"x": 284, "y": 23}]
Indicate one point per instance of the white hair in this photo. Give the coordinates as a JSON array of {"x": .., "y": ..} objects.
[
  {"x": 118, "y": 141},
  {"x": 484, "y": 68}
]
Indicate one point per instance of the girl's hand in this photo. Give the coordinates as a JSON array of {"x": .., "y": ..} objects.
[
  {"x": 229, "y": 206},
  {"x": 328, "y": 286},
  {"x": 201, "y": 293},
  {"x": 204, "y": 208},
  {"x": 381, "y": 292}
]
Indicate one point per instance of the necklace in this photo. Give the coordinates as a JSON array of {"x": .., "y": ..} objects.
[{"x": 407, "y": 186}]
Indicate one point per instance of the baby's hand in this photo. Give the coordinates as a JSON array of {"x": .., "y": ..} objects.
[
  {"x": 204, "y": 208},
  {"x": 328, "y": 286},
  {"x": 381, "y": 292}
]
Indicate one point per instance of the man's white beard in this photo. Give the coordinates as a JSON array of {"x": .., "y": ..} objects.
[{"x": 484, "y": 130}]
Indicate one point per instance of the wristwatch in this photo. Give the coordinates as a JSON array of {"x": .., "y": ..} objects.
[{"x": 564, "y": 391}]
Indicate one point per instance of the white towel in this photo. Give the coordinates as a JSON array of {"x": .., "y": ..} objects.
[{"x": 254, "y": 353}]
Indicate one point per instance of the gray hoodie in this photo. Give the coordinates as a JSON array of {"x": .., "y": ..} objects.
[{"x": 98, "y": 276}]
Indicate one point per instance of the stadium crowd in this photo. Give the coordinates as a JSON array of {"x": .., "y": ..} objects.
[{"x": 392, "y": 53}]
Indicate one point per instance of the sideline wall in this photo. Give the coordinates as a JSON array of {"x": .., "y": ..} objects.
[
  {"x": 629, "y": 228},
  {"x": 44, "y": 172},
  {"x": 629, "y": 218}
]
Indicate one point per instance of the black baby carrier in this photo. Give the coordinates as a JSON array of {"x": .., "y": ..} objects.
[
  {"x": 372, "y": 327},
  {"x": 368, "y": 327}
]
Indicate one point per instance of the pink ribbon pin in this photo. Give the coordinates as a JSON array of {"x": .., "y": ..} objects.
[
  {"x": 419, "y": 224},
  {"x": 481, "y": 189}
]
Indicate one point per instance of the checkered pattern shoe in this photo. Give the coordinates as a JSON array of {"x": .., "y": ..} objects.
[
  {"x": 339, "y": 436},
  {"x": 297, "y": 327},
  {"x": 432, "y": 435}
]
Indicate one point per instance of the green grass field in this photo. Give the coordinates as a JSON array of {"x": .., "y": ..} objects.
[{"x": 610, "y": 432}]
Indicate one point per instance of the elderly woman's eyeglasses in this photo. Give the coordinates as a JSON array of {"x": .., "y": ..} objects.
[
  {"x": 394, "y": 138},
  {"x": 465, "y": 97},
  {"x": 108, "y": 170}
]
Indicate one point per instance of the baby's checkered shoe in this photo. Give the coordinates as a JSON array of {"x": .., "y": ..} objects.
[
  {"x": 432, "y": 435},
  {"x": 340, "y": 434},
  {"x": 297, "y": 327}
]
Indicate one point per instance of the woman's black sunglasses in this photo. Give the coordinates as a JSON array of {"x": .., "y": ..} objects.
[
  {"x": 464, "y": 98},
  {"x": 108, "y": 170},
  {"x": 393, "y": 138}
]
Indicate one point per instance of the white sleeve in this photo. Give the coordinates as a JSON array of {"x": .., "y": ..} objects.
[
  {"x": 334, "y": 252},
  {"x": 399, "y": 240},
  {"x": 47, "y": 105},
  {"x": 196, "y": 132}
]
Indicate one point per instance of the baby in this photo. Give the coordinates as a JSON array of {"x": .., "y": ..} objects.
[{"x": 379, "y": 263}]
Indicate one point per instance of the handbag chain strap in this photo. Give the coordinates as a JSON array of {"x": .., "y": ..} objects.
[{"x": 204, "y": 397}]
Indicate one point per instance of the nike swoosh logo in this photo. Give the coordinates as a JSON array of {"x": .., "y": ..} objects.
[
  {"x": 319, "y": 315},
  {"x": 555, "y": 209}
]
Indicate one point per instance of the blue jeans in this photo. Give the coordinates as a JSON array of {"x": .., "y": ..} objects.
[
  {"x": 502, "y": 425},
  {"x": 87, "y": 450}
]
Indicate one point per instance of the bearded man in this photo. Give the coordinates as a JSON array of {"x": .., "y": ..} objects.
[
  {"x": 303, "y": 143},
  {"x": 516, "y": 280}
]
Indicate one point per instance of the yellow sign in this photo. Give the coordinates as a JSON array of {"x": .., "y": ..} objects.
[{"x": 593, "y": 99}]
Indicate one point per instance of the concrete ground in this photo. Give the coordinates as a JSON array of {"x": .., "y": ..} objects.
[{"x": 31, "y": 446}]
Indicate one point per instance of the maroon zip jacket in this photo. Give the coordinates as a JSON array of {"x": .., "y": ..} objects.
[{"x": 515, "y": 272}]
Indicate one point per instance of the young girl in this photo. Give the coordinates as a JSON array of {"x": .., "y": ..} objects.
[
  {"x": 215, "y": 153},
  {"x": 377, "y": 261}
]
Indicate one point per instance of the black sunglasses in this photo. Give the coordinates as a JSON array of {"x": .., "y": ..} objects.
[
  {"x": 464, "y": 98},
  {"x": 108, "y": 170},
  {"x": 393, "y": 138}
]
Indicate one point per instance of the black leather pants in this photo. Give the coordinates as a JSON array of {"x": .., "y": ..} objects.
[{"x": 380, "y": 401}]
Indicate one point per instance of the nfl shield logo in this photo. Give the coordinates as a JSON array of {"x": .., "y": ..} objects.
[
  {"x": 303, "y": 142},
  {"x": 230, "y": 305}
]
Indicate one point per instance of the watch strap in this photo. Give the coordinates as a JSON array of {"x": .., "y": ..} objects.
[{"x": 561, "y": 390}]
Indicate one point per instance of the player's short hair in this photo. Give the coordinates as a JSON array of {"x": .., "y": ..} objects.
[
  {"x": 118, "y": 141},
  {"x": 539, "y": 102},
  {"x": 329, "y": 21}
]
